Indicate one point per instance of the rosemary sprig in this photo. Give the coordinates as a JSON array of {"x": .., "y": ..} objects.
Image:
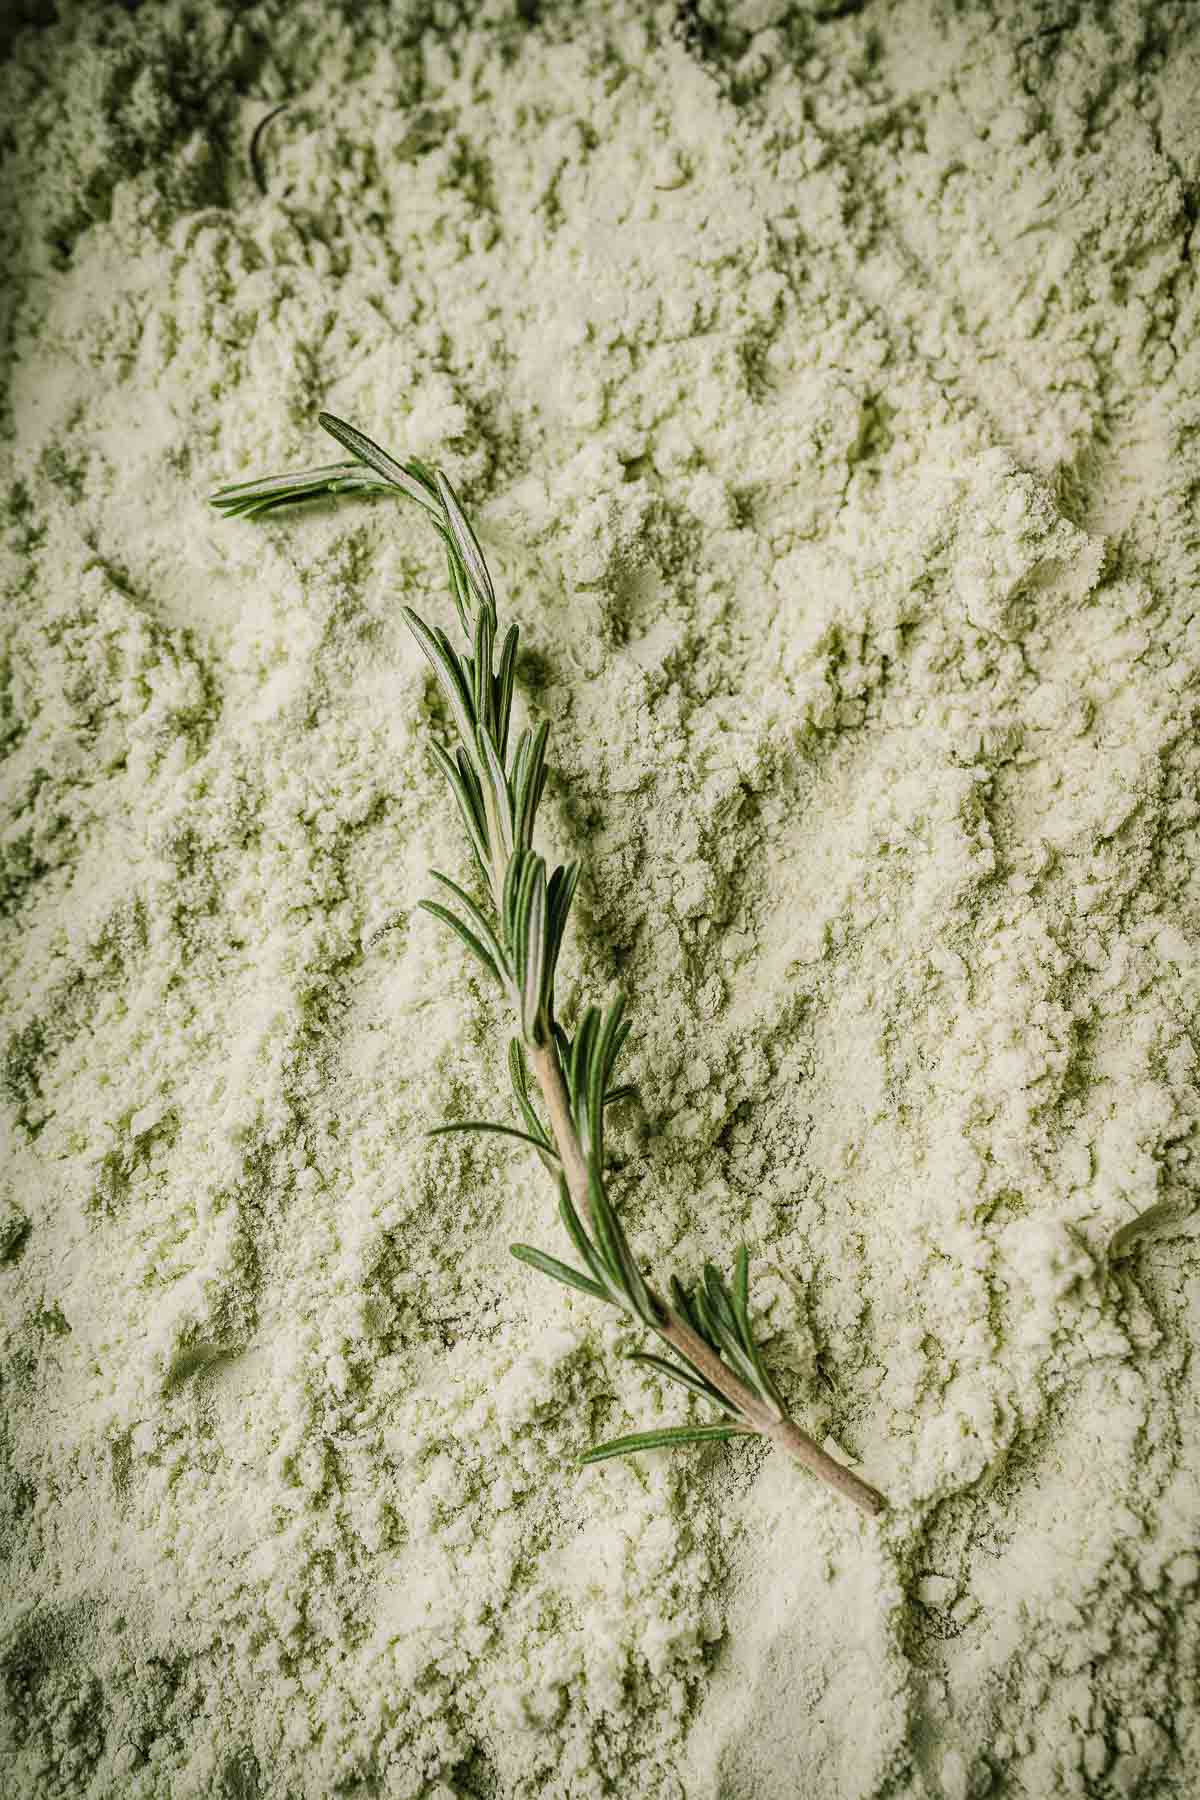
[{"x": 515, "y": 933}]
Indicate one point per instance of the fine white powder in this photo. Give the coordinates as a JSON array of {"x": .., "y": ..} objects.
[{"x": 824, "y": 382}]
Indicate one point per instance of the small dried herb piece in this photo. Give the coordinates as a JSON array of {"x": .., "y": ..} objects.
[{"x": 515, "y": 932}]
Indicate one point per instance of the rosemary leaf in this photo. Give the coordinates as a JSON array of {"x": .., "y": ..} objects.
[
  {"x": 687, "y": 1378},
  {"x": 550, "y": 1265},
  {"x": 465, "y": 933},
  {"x": 478, "y": 922},
  {"x": 469, "y": 804},
  {"x": 459, "y": 590},
  {"x": 500, "y": 1131},
  {"x": 446, "y": 668},
  {"x": 250, "y": 498},
  {"x": 664, "y": 1439},
  {"x": 584, "y": 1245},
  {"x": 741, "y": 1278},
  {"x": 505, "y": 678},
  {"x": 520, "y": 1085},
  {"x": 467, "y": 544},
  {"x": 368, "y": 451}
]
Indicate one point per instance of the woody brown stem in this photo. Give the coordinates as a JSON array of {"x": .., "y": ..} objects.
[{"x": 764, "y": 1418}]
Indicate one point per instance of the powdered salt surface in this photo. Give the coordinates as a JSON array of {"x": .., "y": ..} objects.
[{"x": 824, "y": 383}]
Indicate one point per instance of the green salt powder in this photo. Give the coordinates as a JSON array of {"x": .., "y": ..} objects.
[{"x": 824, "y": 386}]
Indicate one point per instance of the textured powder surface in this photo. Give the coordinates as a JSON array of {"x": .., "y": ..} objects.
[{"x": 825, "y": 384}]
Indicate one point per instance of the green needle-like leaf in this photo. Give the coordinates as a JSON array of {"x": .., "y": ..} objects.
[
  {"x": 423, "y": 473},
  {"x": 584, "y": 1245},
  {"x": 602, "y": 1057},
  {"x": 249, "y": 498},
  {"x": 681, "y": 1301},
  {"x": 665, "y": 1439},
  {"x": 460, "y": 590},
  {"x": 718, "y": 1300},
  {"x": 498, "y": 1130},
  {"x": 519, "y": 1077},
  {"x": 481, "y": 926},
  {"x": 550, "y": 1265},
  {"x": 529, "y": 778},
  {"x": 497, "y": 799},
  {"x": 465, "y": 789},
  {"x": 369, "y": 452},
  {"x": 467, "y": 544},
  {"x": 581, "y": 1055},
  {"x": 533, "y": 1011},
  {"x": 718, "y": 1327},
  {"x": 617, "y": 1256},
  {"x": 485, "y": 638},
  {"x": 505, "y": 677},
  {"x": 687, "y": 1378},
  {"x": 560, "y": 890},
  {"x": 450, "y": 678},
  {"x": 465, "y": 933},
  {"x": 741, "y": 1283}
]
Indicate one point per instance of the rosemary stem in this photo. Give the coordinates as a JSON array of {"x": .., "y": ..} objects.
[
  {"x": 554, "y": 1092},
  {"x": 764, "y": 1419}
]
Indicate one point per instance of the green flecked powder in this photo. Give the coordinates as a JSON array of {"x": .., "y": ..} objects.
[{"x": 825, "y": 384}]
